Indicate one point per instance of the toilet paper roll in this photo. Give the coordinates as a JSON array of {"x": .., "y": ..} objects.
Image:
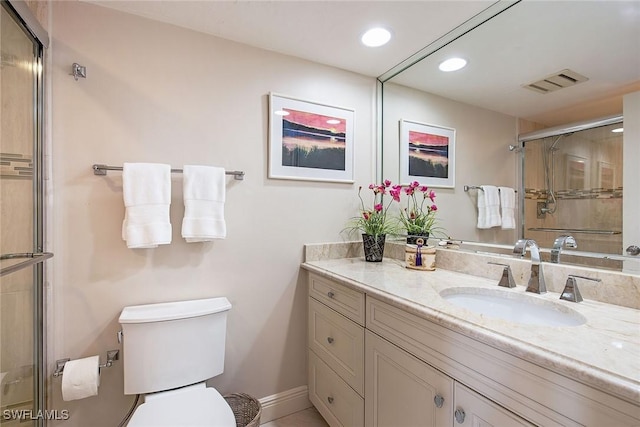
[{"x": 81, "y": 378}]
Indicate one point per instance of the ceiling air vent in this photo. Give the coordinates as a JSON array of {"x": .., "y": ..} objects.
[{"x": 559, "y": 80}]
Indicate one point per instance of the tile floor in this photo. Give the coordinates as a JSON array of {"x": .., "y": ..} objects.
[{"x": 307, "y": 418}]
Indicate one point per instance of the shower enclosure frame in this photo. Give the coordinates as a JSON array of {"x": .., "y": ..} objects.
[
  {"x": 25, "y": 19},
  {"x": 551, "y": 132}
]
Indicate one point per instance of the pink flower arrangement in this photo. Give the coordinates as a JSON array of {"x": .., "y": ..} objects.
[
  {"x": 374, "y": 221},
  {"x": 419, "y": 215}
]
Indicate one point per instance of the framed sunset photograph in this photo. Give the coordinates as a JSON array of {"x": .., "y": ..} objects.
[
  {"x": 427, "y": 154},
  {"x": 309, "y": 140}
]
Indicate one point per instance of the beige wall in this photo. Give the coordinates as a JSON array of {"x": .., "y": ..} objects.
[
  {"x": 481, "y": 155},
  {"x": 159, "y": 93}
]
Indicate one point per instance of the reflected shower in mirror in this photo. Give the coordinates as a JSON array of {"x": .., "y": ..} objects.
[{"x": 573, "y": 186}]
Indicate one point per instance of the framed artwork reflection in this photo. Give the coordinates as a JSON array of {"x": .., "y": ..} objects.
[
  {"x": 427, "y": 154},
  {"x": 577, "y": 173},
  {"x": 606, "y": 175}
]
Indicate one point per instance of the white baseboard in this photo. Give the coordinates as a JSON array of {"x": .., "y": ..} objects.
[{"x": 284, "y": 403}]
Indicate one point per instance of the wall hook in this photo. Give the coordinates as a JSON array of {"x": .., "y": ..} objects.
[
  {"x": 78, "y": 70},
  {"x": 515, "y": 148}
]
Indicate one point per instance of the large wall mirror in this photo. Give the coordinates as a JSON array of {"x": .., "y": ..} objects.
[{"x": 532, "y": 66}]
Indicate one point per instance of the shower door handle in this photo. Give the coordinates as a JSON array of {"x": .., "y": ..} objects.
[{"x": 31, "y": 259}]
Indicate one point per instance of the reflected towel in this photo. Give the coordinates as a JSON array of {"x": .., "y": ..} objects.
[
  {"x": 508, "y": 207},
  {"x": 204, "y": 197},
  {"x": 146, "y": 190},
  {"x": 488, "y": 207}
]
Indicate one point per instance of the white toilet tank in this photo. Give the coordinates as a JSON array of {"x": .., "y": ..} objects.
[{"x": 170, "y": 345}]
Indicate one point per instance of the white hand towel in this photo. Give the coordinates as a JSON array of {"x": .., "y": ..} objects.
[
  {"x": 146, "y": 190},
  {"x": 204, "y": 197},
  {"x": 508, "y": 206},
  {"x": 488, "y": 207}
]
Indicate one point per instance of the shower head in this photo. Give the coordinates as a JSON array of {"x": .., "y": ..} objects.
[{"x": 555, "y": 142}]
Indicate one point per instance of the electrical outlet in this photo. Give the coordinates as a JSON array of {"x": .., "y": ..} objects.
[{"x": 540, "y": 214}]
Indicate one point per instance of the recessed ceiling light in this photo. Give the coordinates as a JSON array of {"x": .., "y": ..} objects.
[
  {"x": 376, "y": 37},
  {"x": 618, "y": 130},
  {"x": 452, "y": 64}
]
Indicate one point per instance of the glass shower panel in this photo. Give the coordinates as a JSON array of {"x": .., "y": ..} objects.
[
  {"x": 573, "y": 185},
  {"x": 18, "y": 354}
]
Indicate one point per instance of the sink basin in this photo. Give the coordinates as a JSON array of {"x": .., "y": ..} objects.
[{"x": 513, "y": 307}]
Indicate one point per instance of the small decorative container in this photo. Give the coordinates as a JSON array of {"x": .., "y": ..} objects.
[
  {"x": 420, "y": 257},
  {"x": 246, "y": 409},
  {"x": 373, "y": 247},
  {"x": 413, "y": 238}
]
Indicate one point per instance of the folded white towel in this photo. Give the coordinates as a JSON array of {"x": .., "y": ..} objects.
[
  {"x": 204, "y": 197},
  {"x": 508, "y": 207},
  {"x": 146, "y": 190},
  {"x": 488, "y": 207}
]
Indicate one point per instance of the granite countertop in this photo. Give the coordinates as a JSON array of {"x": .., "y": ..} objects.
[{"x": 604, "y": 352}]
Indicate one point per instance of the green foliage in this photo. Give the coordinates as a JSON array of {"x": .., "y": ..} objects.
[
  {"x": 318, "y": 158},
  {"x": 375, "y": 221}
]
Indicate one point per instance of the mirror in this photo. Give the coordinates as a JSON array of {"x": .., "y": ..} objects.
[{"x": 592, "y": 49}]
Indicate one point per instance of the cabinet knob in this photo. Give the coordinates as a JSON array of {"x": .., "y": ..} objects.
[
  {"x": 438, "y": 400},
  {"x": 330, "y": 399},
  {"x": 460, "y": 415},
  {"x": 330, "y": 294},
  {"x": 633, "y": 250},
  {"x": 330, "y": 340}
]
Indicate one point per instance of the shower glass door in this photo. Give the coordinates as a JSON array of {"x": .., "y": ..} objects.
[{"x": 21, "y": 326}]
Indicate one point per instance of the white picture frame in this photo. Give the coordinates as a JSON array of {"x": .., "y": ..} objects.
[
  {"x": 427, "y": 154},
  {"x": 310, "y": 140}
]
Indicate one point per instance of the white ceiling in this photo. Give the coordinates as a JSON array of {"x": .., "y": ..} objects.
[
  {"x": 599, "y": 39},
  {"x": 532, "y": 40},
  {"x": 327, "y": 32}
]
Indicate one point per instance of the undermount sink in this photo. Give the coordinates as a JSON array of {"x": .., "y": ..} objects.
[{"x": 513, "y": 307}]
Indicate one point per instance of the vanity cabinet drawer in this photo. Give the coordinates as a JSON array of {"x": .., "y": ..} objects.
[
  {"x": 342, "y": 299},
  {"x": 339, "y": 342},
  {"x": 338, "y": 403},
  {"x": 473, "y": 410}
]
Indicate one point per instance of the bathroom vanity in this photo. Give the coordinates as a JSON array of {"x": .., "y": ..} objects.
[{"x": 386, "y": 348}]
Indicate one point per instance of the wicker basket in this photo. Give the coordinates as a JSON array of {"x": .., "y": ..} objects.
[{"x": 246, "y": 409}]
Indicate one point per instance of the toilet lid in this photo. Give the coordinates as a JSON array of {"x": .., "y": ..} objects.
[{"x": 192, "y": 408}]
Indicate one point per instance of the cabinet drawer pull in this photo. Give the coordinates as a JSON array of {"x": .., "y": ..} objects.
[
  {"x": 330, "y": 340},
  {"x": 460, "y": 415},
  {"x": 330, "y": 294},
  {"x": 438, "y": 400},
  {"x": 330, "y": 399}
]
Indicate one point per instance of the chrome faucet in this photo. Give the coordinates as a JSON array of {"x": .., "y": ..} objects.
[
  {"x": 564, "y": 240},
  {"x": 536, "y": 280}
]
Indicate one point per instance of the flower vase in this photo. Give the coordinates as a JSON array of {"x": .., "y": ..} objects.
[
  {"x": 412, "y": 237},
  {"x": 373, "y": 247}
]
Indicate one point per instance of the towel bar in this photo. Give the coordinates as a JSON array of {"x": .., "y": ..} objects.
[
  {"x": 475, "y": 187},
  {"x": 102, "y": 170}
]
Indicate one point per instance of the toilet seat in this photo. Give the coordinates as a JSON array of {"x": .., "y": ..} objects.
[{"x": 189, "y": 407}]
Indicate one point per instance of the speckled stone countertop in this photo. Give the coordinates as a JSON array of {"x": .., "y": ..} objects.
[{"x": 604, "y": 352}]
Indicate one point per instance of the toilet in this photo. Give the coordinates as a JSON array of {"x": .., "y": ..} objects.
[{"x": 169, "y": 351}]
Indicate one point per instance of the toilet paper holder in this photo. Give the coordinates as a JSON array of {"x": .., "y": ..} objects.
[{"x": 112, "y": 355}]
